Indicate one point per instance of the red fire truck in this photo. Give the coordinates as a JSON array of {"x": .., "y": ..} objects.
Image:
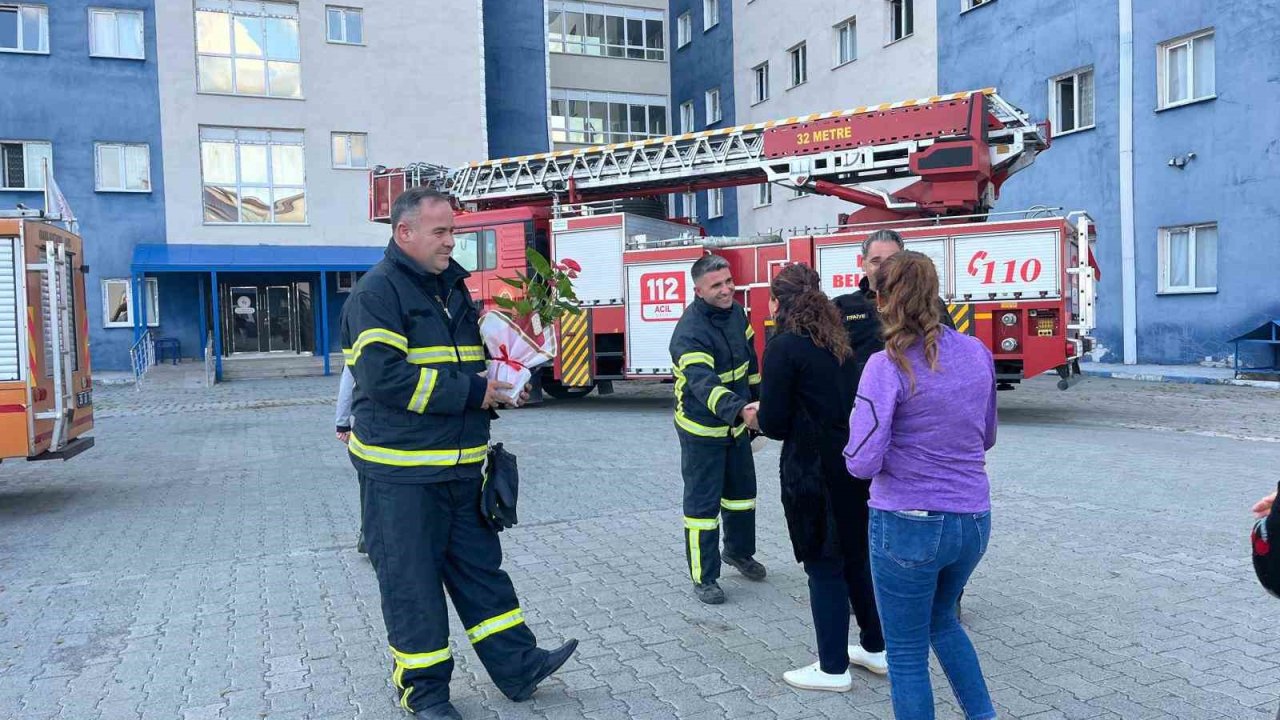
[{"x": 1024, "y": 283}]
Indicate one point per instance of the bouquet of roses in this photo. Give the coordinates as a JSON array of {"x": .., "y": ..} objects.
[{"x": 521, "y": 336}]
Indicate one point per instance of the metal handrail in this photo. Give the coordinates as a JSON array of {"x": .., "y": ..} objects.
[
  {"x": 142, "y": 356},
  {"x": 209, "y": 374}
]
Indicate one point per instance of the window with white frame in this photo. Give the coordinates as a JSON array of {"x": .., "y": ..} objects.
[
  {"x": 715, "y": 203},
  {"x": 350, "y": 150},
  {"x": 710, "y": 14},
  {"x": 760, "y": 77},
  {"x": 248, "y": 47},
  {"x": 24, "y": 28},
  {"x": 347, "y": 279},
  {"x": 345, "y": 25},
  {"x": 253, "y": 176},
  {"x": 1189, "y": 259},
  {"x": 902, "y": 19},
  {"x": 1071, "y": 101},
  {"x": 117, "y": 302},
  {"x": 116, "y": 34},
  {"x": 846, "y": 42},
  {"x": 797, "y": 193},
  {"x": 687, "y": 120},
  {"x": 1187, "y": 69},
  {"x": 764, "y": 194},
  {"x": 971, "y": 4},
  {"x": 123, "y": 167},
  {"x": 684, "y": 29},
  {"x": 690, "y": 205},
  {"x": 584, "y": 28},
  {"x": 713, "y": 106},
  {"x": 22, "y": 164},
  {"x": 590, "y": 117},
  {"x": 799, "y": 56}
]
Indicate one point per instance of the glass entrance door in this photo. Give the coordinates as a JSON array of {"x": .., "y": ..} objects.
[
  {"x": 243, "y": 320},
  {"x": 279, "y": 320}
]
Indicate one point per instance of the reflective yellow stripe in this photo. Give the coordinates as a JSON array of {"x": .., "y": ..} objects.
[
  {"x": 371, "y": 336},
  {"x": 701, "y": 523},
  {"x": 735, "y": 374},
  {"x": 415, "y": 458},
  {"x": 418, "y": 661},
  {"x": 506, "y": 621},
  {"x": 432, "y": 354},
  {"x": 717, "y": 393},
  {"x": 693, "y": 428},
  {"x": 739, "y": 430},
  {"x": 738, "y": 504},
  {"x": 751, "y": 332},
  {"x": 753, "y": 379},
  {"x": 404, "y": 700},
  {"x": 694, "y": 358},
  {"x": 421, "y": 394}
]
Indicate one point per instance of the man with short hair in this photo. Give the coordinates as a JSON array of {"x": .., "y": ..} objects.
[
  {"x": 422, "y": 406},
  {"x": 858, "y": 308},
  {"x": 717, "y": 376}
]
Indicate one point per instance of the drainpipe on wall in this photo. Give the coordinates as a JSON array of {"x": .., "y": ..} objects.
[{"x": 1128, "y": 269}]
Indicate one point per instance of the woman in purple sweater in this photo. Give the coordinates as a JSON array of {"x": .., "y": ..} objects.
[{"x": 924, "y": 417}]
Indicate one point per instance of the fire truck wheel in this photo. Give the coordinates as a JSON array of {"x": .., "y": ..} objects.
[{"x": 558, "y": 391}]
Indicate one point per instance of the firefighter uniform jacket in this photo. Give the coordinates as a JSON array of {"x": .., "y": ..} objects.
[
  {"x": 862, "y": 322},
  {"x": 412, "y": 341},
  {"x": 714, "y": 361}
]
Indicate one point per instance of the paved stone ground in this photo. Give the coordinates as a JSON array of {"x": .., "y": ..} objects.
[{"x": 198, "y": 564}]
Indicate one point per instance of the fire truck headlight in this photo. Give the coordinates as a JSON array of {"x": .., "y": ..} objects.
[
  {"x": 1009, "y": 319},
  {"x": 1009, "y": 344}
]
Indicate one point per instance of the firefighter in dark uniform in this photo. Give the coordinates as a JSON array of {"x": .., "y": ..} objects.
[
  {"x": 410, "y": 335},
  {"x": 717, "y": 375},
  {"x": 862, "y": 322},
  {"x": 858, "y": 309}
]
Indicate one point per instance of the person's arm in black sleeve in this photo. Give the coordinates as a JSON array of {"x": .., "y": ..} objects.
[
  {"x": 774, "y": 417},
  {"x": 693, "y": 359},
  {"x": 753, "y": 363},
  {"x": 378, "y": 357},
  {"x": 946, "y": 314}
]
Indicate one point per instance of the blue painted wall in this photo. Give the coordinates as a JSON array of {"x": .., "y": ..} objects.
[
  {"x": 703, "y": 64},
  {"x": 515, "y": 73},
  {"x": 1019, "y": 46},
  {"x": 72, "y": 100}
]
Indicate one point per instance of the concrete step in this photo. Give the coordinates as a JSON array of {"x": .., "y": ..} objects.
[{"x": 278, "y": 366}]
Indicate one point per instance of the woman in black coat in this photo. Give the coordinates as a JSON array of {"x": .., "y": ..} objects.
[{"x": 806, "y": 396}]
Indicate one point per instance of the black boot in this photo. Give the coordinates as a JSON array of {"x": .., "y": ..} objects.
[
  {"x": 439, "y": 711},
  {"x": 709, "y": 593},
  {"x": 552, "y": 663},
  {"x": 750, "y": 568}
]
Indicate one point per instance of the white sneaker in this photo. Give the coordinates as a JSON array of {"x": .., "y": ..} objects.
[
  {"x": 875, "y": 662},
  {"x": 812, "y": 678}
]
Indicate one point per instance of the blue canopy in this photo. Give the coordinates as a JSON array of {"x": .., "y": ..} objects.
[{"x": 254, "y": 258}]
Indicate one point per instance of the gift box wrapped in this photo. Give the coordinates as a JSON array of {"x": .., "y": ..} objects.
[{"x": 516, "y": 348}]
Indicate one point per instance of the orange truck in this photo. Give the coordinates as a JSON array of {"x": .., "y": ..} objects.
[{"x": 46, "y": 390}]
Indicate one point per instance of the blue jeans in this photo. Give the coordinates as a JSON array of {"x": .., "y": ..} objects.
[{"x": 920, "y": 565}]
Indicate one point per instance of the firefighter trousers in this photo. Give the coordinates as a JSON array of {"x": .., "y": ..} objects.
[
  {"x": 719, "y": 482},
  {"x": 422, "y": 540}
]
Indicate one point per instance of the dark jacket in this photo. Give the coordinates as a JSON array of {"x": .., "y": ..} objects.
[
  {"x": 862, "y": 321},
  {"x": 412, "y": 340},
  {"x": 714, "y": 362},
  {"x": 805, "y": 401}
]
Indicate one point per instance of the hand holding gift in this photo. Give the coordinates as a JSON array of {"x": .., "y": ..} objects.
[{"x": 521, "y": 336}]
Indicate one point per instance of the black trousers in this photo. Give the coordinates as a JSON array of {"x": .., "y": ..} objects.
[
  {"x": 422, "y": 540},
  {"x": 835, "y": 583},
  {"x": 719, "y": 479}
]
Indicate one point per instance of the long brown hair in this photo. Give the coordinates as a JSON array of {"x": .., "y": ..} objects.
[
  {"x": 805, "y": 310},
  {"x": 907, "y": 288}
]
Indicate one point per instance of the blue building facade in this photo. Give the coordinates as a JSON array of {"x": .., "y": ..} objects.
[
  {"x": 704, "y": 63},
  {"x": 93, "y": 103},
  {"x": 1200, "y": 88},
  {"x": 515, "y": 70}
]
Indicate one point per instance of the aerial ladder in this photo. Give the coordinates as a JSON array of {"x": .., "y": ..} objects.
[{"x": 959, "y": 148}]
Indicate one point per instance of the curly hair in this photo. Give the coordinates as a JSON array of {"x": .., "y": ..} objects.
[
  {"x": 907, "y": 286},
  {"x": 805, "y": 310}
]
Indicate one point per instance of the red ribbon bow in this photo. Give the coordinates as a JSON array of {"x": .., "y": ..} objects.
[{"x": 505, "y": 358}]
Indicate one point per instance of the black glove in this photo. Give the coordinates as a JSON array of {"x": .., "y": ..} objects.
[
  {"x": 501, "y": 486},
  {"x": 1266, "y": 557}
]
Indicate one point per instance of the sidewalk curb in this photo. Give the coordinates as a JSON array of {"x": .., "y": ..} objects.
[{"x": 1176, "y": 379}]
